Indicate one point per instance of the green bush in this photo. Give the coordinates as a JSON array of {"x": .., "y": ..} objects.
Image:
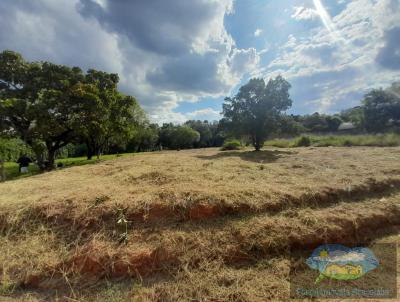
[
  {"x": 303, "y": 141},
  {"x": 12, "y": 149},
  {"x": 383, "y": 140},
  {"x": 279, "y": 143},
  {"x": 232, "y": 144},
  {"x": 347, "y": 143}
]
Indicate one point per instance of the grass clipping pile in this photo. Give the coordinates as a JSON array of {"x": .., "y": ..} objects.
[{"x": 190, "y": 225}]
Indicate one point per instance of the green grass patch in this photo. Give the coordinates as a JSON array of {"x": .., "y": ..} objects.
[
  {"x": 232, "y": 144},
  {"x": 12, "y": 168},
  {"x": 381, "y": 140},
  {"x": 279, "y": 143}
]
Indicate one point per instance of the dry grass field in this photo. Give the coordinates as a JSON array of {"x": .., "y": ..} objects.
[{"x": 202, "y": 225}]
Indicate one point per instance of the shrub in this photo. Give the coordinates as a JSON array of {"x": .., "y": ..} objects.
[
  {"x": 279, "y": 143},
  {"x": 381, "y": 140},
  {"x": 12, "y": 149},
  {"x": 303, "y": 141},
  {"x": 232, "y": 144},
  {"x": 347, "y": 143}
]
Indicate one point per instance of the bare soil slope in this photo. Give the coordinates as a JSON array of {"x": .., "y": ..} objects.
[{"x": 203, "y": 225}]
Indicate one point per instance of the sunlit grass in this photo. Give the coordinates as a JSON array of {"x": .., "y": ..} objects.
[
  {"x": 384, "y": 140},
  {"x": 12, "y": 168}
]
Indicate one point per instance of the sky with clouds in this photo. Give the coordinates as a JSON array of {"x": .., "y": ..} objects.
[{"x": 180, "y": 58}]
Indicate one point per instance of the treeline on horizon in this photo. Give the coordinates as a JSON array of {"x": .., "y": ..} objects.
[{"x": 49, "y": 110}]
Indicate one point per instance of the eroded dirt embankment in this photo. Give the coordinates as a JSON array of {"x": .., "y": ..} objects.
[
  {"x": 237, "y": 244},
  {"x": 83, "y": 219}
]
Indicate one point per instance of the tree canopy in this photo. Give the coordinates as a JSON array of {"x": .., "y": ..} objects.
[
  {"x": 52, "y": 108},
  {"x": 381, "y": 109},
  {"x": 178, "y": 137},
  {"x": 257, "y": 108},
  {"x": 49, "y": 106}
]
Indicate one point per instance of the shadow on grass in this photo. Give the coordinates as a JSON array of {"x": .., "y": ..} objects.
[
  {"x": 12, "y": 169},
  {"x": 264, "y": 156}
]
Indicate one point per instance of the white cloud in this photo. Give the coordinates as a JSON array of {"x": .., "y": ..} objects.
[
  {"x": 168, "y": 116},
  {"x": 350, "y": 64},
  {"x": 177, "y": 52},
  {"x": 258, "y": 32},
  {"x": 204, "y": 114},
  {"x": 42, "y": 31},
  {"x": 304, "y": 13}
]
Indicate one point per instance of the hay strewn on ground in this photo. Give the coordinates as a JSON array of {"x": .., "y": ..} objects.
[{"x": 203, "y": 225}]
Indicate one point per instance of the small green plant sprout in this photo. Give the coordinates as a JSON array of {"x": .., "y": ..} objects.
[
  {"x": 123, "y": 223},
  {"x": 6, "y": 286},
  {"x": 101, "y": 199}
]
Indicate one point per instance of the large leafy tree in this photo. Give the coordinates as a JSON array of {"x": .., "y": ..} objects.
[
  {"x": 107, "y": 117},
  {"x": 35, "y": 103},
  {"x": 289, "y": 125},
  {"x": 49, "y": 106},
  {"x": 178, "y": 137},
  {"x": 381, "y": 110},
  {"x": 217, "y": 133},
  {"x": 354, "y": 115},
  {"x": 317, "y": 122},
  {"x": 166, "y": 135},
  {"x": 205, "y": 130},
  {"x": 144, "y": 138},
  {"x": 185, "y": 137},
  {"x": 255, "y": 111}
]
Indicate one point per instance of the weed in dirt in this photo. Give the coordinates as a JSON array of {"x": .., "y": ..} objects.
[{"x": 122, "y": 222}]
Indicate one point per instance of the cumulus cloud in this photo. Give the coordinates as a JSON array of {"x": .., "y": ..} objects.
[
  {"x": 258, "y": 32},
  {"x": 389, "y": 54},
  {"x": 158, "y": 26},
  {"x": 167, "y": 52},
  {"x": 203, "y": 114},
  {"x": 328, "y": 73},
  {"x": 164, "y": 51},
  {"x": 304, "y": 13},
  {"x": 52, "y": 30}
]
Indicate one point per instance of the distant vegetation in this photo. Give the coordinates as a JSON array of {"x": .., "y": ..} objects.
[
  {"x": 12, "y": 170},
  {"x": 232, "y": 144},
  {"x": 51, "y": 111},
  {"x": 10, "y": 149},
  {"x": 380, "y": 140},
  {"x": 49, "y": 106}
]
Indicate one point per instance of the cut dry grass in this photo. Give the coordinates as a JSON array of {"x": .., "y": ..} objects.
[{"x": 203, "y": 225}]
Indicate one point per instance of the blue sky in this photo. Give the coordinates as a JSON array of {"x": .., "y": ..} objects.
[
  {"x": 181, "y": 58},
  {"x": 267, "y": 26}
]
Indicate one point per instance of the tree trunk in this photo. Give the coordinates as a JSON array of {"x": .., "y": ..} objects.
[
  {"x": 257, "y": 143},
  {"x": 51, "y": 159},
  {"x": 40, "y": 160},
  {"x": 2, "y": 171},
  {"x": 89, "y": 154},
  {"x": 90, "y": 151}
]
